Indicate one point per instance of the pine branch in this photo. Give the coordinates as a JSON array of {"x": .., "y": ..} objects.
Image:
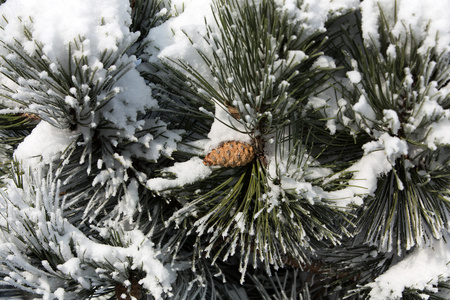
[
  {"x": 47, "y": 248},
  {"x": 88, "y": 92},
  {"x": 13, "y": 129},
  {"x": 410, "y": 204},
  {"x": 264, "y": 71}
]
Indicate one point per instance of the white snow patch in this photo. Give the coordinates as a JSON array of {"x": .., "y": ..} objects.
[
  {"x": 390, "y": 116},
  {"x": 186, "y": 173},
  {"x": 295, "y": 56},
  {"x": 225, "y": 128},
  {"x": 134, "y": 98},
  {"x": 439, "y": 133},
  {"x": 311, "y": 15},
  {"x": 427, "y": 19},
  {"x": 171, "y": 39},
  {"x": 71, "y": 266},
  {"x": 366, "y": 172},
  {"x": 44, "y": 144},
  {"x": 393, "y": 147},
  {"x": 364, "y": 108},
  {"x": 379, "y": 158},
  {"x": 422, "y": 269},
  {"x": 56, "y": 23},
  {"x": 324, "y": 62},
  {"x": 391, "y": 51},
  {"x": 354, "y": 76},
  {"x": 129, "y": 203}
]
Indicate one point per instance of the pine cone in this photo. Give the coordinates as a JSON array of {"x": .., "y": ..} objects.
[
  {"x": 230, "y": 154},
  {"x": 123, "y": 293},
  {"x": 234, "y": 112}
]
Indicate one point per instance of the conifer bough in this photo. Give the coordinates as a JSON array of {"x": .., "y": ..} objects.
[{"x": 325, "y": 122}]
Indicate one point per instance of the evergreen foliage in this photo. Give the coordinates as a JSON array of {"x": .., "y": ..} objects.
[
  {"x": 350, "y": 172},
  {"x": 238, "y": 206}
]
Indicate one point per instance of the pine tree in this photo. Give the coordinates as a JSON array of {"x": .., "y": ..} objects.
[{"x": 284, "y": 150}]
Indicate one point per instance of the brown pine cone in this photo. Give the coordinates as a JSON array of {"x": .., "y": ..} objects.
[{"x": 230, "y": 154}]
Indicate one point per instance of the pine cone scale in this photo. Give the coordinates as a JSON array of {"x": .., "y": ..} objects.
[{"x": 230, "y": 154}]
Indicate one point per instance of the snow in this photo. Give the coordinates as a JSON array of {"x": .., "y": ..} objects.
[
  {"x": 296, "y": 56},
  {"x": 89, "y": 29},
  {"x": 106, "y": 90},
  {"x": 313, "y": 14},
  {"x": 393, "y": 147},
  {"x": 45, "y": 144},
  {"x": 330, "y": 103},
  {"x": 239, "y": 218},
  {"x": 135, "y": 98},
  {"x": 354, "y": 76},
  {"x": 363, "y": 108},
  {"x": 293, "y": 173},
  {"x": 378, "y": 159},
  {"x": 225, "y": 128},
  {"x": 427, "y": 20},
  {"x": 71, "y": 266},
  {"x": 439, "y": 133},
  {"x": 390, "y": 116},
  {"x": 59, "y": 293},
  {"x": 422, "y": 269},
  {"x": 104, "y": 26},
  {"x": 186, "y": 173},
  {"x": 391, "y": 51},
  {"x": 129, "y": 203},
  {"x": 365, "y": 173},
  {"x": 36, "y": 216},
  {"x": 324, "y": 62},
  {"x": 170, "y": 39},
  {"x": 57, "y": 23}
]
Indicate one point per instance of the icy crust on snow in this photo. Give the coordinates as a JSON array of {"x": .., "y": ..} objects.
[
  {"x": 427, "y": 19},
  {"x": 422, "y": 269},
  {"x": 35, "y": 213}
]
